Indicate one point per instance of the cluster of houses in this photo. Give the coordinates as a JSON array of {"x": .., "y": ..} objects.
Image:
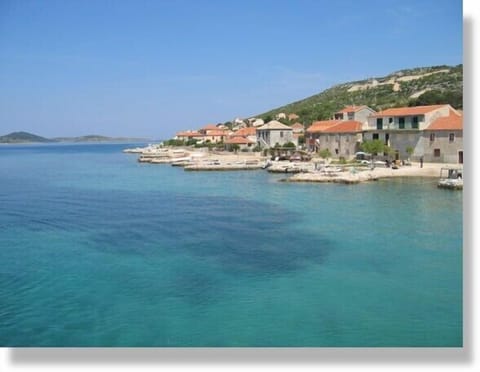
[{"x": 434, "y": 132}]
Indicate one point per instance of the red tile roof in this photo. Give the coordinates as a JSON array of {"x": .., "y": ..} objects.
[
  {"x": 238, "y": 140},
  {"x": 248, "y": 131},
  {"x": 209, "y": 126},
  {"x": 320, "y": 126},
  {"x": 450, "y": 122},
  {"x": 216, "y": 132},
  {"x": 189, "y": 134},
  {"x": 351, "y": 109},
  {"x": 408, "y": 111},
  {"x": 348, "y": 126},
  {"x": 298, "y": 126}
]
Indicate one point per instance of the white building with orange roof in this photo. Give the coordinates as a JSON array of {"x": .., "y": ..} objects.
[
  {"x": 188, "y": 135},
  {"x": 211, "y": 133},
  {"x": 358, "y": 113},
  {"x": 248, "y": 132},
  {"x": 243, "y": 143},
  {"x": 404, "y": 127}
]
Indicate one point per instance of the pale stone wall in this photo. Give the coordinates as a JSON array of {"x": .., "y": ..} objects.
[
  {"x": 274, "y": 136},
  {"x": 448, "y": 149}
]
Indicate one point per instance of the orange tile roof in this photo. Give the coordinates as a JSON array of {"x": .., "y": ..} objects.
[
  {"x": 248, "y": 131},
  {"x": 450, "y": 122},
  {"x": 238, "y": 140},
  {"x": 216, "y": 132},
  {"x": 348, "y": 126},
  {"x": 319, "y": 126},
  {"x": 189, "y": 134},
  {"x": 351, "y": 109},
  {"x": 407, "y": 111},
  {"x": 209, "y": 126}
]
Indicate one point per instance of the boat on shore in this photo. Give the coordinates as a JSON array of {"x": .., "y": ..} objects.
[{"x": 451, "y": 178}]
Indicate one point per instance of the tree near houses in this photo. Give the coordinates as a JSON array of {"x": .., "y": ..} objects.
[
  {"x": 373, "y": 147},
  {"x": 325, "y": 153},
  {"x": 235, "y": 147},
  {"x": 409, "y": 151}
]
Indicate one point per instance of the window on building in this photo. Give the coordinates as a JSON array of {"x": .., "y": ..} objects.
[
  {"x": 281, "y": 134},
  {"x": 415, "y": 122},
  {"x": 350, "y": 116},
  {"x": 451, "y": 137},
  {"x": 380, "y": 123},
  {"x": 432, "y": 137},
  {"x": 347, "y": 138},
  {"x": 375, "y": 136},
  {"x": 336, "y": 151},
  {"x": 436, "y": 153},
  {"x": 401, "y": 123},
  {"x": 390, "y": 120}
]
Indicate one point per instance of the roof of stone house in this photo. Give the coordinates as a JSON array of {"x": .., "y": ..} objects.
[
  {"x": 408, "y": 111},
  {"x": 189, "y": 134},
  {"x": 450, "y": 122},
  {"x": 249, "y": 131},
  {"x": 216, "y": 132},
  {"x": 238, "y": 140},
  {"x": 209, "y": 127},
  {"x": 274, "y": 125},
  {"x": 351, "y": 109},
  {"x": 348, "y": 126},
  {"x": 320, "y": 126},
  {"x": 297, "y": 126}
]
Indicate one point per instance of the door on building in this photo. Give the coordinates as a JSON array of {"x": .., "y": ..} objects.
[{"x": 460, "y": 157}]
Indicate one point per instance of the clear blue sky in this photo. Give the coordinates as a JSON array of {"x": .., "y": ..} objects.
[{"x": 151, "y": 68}]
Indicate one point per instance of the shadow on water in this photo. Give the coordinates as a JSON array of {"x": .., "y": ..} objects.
[
  {"x": 239, "y": 235},
  {"x": 209, "y": 239}
]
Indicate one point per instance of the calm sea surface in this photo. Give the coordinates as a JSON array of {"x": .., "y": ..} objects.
[{"x": 97, "y": 249}]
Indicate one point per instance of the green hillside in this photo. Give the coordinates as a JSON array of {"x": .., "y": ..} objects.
[
  {"x": 412, "y": 87},
  {"x": 25, "y": 137},
  {"x": 22, "y": 137}
]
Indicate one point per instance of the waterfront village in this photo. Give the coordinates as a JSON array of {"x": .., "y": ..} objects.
[{"x": 356, "y": 144}]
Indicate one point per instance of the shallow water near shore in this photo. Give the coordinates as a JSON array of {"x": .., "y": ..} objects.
[{"x": 97, "y": 249}]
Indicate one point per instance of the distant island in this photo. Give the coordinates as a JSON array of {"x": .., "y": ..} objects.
[{"x": 25, "y": 137}]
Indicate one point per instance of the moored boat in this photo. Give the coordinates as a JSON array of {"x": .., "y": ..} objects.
[{"x": 451, "y": 178}]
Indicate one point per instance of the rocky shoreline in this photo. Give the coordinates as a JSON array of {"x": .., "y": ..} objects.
[{"x": 312, "y": 171}]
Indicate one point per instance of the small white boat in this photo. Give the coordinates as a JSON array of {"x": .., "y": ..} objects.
[{"x": 451, "y": 178}]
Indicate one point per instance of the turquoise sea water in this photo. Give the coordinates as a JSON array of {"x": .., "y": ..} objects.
[{"x": 97, "y": 249}]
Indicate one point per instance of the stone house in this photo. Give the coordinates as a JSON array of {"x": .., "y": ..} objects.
[
  {"x": 274, "y": 132},
  {"x": 442, "y": 141},
  {"x": 341, "y": 137},
  {"x": 404, "y": 127},
  {"x": 242, "y": 142},
  {"x": 357, "y": 113}
]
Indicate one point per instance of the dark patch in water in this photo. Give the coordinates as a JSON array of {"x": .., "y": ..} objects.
[
  {"x": 242, "y": 236},
  {"x": 229, "y": 236}
]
